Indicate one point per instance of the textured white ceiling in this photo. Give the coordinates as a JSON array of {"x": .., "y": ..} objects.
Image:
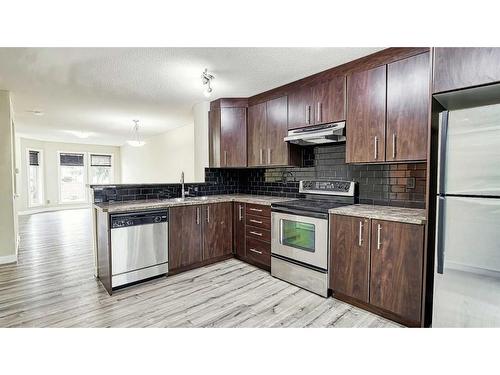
[{"x": 101, "y": 90}]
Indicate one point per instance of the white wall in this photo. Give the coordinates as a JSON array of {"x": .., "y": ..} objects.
[
  {"x": 8, "y": 236},
  {"x": 51, "y": 165},
  {"x": 161, "y": 159},
  {"x": 200, "y": 118}
]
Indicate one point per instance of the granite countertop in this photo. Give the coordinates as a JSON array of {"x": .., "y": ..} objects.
[
  {"x": 153, "y": 204},
  {"x": 389, "y": 213}
]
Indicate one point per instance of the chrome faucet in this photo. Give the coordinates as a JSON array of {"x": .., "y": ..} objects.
[{"x": 183, "y": 193}]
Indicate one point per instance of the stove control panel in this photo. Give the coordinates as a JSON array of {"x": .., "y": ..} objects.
[{"x": 335, "y": 187}]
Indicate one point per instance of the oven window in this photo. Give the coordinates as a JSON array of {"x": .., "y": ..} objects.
[{"x": 298, "y": 235}]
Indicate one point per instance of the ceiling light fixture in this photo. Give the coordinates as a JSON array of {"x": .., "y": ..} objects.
[
  {"x": 35, "y": 112},
  {"x": 136, "y": 141},
  {"x": 206, "y": 79},
  {"x": 79, "y": 134}
]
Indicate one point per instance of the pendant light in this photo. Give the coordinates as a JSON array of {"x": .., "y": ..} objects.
[{"x": 136, "y": 141}]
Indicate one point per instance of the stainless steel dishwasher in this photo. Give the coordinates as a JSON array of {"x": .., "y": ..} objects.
[{"x": 139, "y": 246}]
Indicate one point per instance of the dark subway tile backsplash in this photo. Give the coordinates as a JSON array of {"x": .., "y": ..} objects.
[{"x": 381, "y": 184}]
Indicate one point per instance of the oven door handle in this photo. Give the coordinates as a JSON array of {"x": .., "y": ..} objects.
[{"x": 292, "y": 211}]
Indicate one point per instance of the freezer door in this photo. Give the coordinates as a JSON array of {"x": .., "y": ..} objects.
[
  {"x": 467, "y": 288},
  {"x": 471, "y": 165}
]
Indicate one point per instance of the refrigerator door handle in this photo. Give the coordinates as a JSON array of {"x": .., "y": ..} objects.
[
  {"x": 440, "y": 235},
  {"x": 443, "y": 135}
]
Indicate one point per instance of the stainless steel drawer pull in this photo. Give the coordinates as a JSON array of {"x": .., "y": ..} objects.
[
  {"x": 197, "y": 215},
  {"x": 394, "y": 145},
  {"x": 255, "y": 221},
  {"x": 255, "y": 209},
  {"x": 268, "y": 156},
  {"x": 225, "y": 158},
  {"x": 318, "y": 112},
  {"x": 255, "y": 251},
  {"x": 308, "y": 114},
  {"x": 379, "y": 242},
  {"x": 260, "y": 156},
  {"x": 240, "y": 215},
  {"x": 360, "y": 241},
  {"x": 376, "y": 147},
  {"x": 208, "y": 214},
  {"x": 256, "y": 233}
]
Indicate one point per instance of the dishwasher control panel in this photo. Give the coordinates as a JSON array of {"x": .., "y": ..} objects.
[{"x": 138, "y": 218}]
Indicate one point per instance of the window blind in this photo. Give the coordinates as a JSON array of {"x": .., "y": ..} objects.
[
  {"x": 34, "y": 158},
  {"x": 100, "y": 160},
  {"x": 71, "y": 160}
]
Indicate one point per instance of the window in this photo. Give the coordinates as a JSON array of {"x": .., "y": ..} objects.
[
  {"x": 101, "y": 169},
  {"x": 72, "y": 177},
  {"x": 35, "y": 178}
]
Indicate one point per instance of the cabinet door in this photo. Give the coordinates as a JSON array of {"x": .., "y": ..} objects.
[
  {"x": 217, "y": 230},
  {"x": 350, "y": 256},
  {"x": 239, "y": 229},
  {"x": 408, "y": 108},
  {"x": 256, "y": 134},
  {"x": 396, "y": 268},
  {"x": 185, "y": 240},
  {"x": 457, "y": 68},
  {"x": 329, "y": 101},
  {"x": 277, "y": 129},
  {"x": 233, "y": 137},
  {"x": 214, "y": 138},
  {"x": 365, "y": 123},
  {"x": 300, "y": 110}
]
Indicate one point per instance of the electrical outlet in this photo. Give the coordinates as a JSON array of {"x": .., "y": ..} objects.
[
  {"x": 410, "y": 183},
  {"x": 48, "y": 201}
]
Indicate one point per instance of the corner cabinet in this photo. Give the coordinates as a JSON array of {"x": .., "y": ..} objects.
[
  {"x": 388, "y": 112},
  {"x": 321, "y": 103},
  {"x": 227, "y": 124},
  {"x": 267, "y": 127},
  {"x": 379, "y": 265}
]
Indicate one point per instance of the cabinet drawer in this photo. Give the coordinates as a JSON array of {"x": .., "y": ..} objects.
[
  {"x": 258, "y": 233},
  {"x": 258, "y": 221},
  {"x": 259, "y": 210},
  {"x": 259, "y": 251}
]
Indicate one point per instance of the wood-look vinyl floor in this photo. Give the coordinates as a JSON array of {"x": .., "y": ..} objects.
[{"x": 53, "y": 286}]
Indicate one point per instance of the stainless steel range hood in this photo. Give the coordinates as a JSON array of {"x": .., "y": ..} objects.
[{"x": 316, "y": 135}]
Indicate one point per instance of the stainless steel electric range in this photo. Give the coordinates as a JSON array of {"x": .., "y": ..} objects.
[{"x": 300, "y": 235}]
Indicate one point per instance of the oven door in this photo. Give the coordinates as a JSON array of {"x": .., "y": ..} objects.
[{"x": 300, "y": 238}]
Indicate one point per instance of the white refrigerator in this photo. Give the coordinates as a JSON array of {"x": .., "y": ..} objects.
[{"x": 467, "y": 264}]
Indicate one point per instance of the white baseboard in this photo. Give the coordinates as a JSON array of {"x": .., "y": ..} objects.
[
  {"x": 8, "y": 259},
  {"x": 53, "y": 208}
]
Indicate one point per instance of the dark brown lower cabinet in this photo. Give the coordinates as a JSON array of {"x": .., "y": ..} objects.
[
  {"x": 239, "y": 229},
  {"x": 350, "y": 256},
  {"x": 397, "y": 268},
  {"x": 379, "y": 265},
  {"x": 217, "y": 230},
  {"x": 185, "y": 237}
]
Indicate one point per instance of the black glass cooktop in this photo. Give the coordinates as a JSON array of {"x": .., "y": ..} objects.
[{"x": 310, "y": 205}]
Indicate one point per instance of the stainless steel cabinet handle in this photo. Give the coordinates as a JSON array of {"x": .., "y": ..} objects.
[
  {"x": 308, "y": 114},
  {"x": 376, "y": 147},
  {"x": 256, "y": 233},
  {"x": 379, "y": 242},
  {"x": 255, "y": 251},
  {"x": 208, "y": 214},
  {"x": 197, "y": 215},
  {"x": 255, "y": 209},
  {"x": 268, "y": 156},
  {"x": 225, "y": 158},
  {"x": 360, "y": 240},
  {"x": 255, "y": 221},
  {"x": 260, "y": 156},
  {"x": 394, "y": 145},
  {"x": 240, "y": 214},
  {"x": 318, "y": 112}
]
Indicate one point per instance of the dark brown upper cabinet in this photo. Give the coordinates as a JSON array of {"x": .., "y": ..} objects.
[
  {"x": 366, "y": 99},
  {"x": 227, "y": 133},
  {"x": 267, "y": 127},
  {"x": 321, "y": 103},
  {"x": 388, "y": 112},
  {"x": 329, "y": 101},
  {"x": 397, "y": 268},
  {"x": 350, "y": 256},
  {"x": 458, "y": 68},
  {"x": 408, "y": 100}
]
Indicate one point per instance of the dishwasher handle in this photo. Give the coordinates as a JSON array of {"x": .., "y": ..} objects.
[{"x": 138, "y": 218}]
